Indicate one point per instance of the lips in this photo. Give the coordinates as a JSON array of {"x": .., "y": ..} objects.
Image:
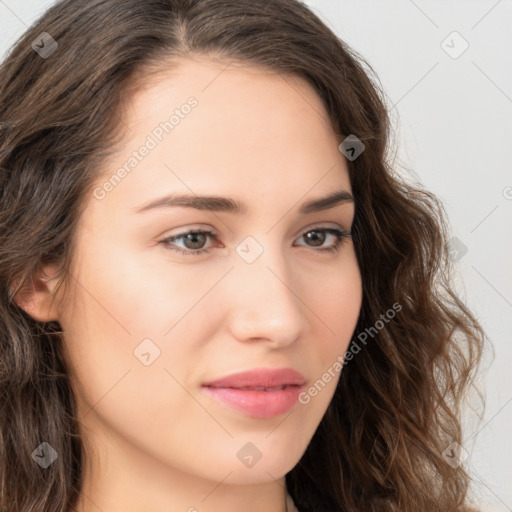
[
  {"x": 259, "y": 393},
  {"x": 260, "y": 379}
]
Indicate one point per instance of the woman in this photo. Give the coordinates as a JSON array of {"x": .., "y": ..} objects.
[{"x": 216, "y": 292}]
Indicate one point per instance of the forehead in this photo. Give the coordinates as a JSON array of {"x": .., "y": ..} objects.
[
  {"x": 247, "y": 102},
  {"x": 250, "y": 128},
  {"x": 229, "y": 85}
]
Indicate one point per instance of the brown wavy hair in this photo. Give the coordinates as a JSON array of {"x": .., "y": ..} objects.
[{"x": 398, "y": 403}]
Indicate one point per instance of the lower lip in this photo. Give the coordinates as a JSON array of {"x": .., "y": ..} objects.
[{"x": 258, "y": 404}]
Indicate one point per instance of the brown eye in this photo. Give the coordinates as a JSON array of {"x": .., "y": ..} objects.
[
  {"x": 193, "y": 242},
  {"x": 318, "y": 236}
]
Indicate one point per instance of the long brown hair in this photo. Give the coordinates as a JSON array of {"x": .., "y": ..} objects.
[{"x": 397, "y": 406}]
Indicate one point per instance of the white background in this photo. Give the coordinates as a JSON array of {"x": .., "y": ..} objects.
[{"x": 453, "y": 124}]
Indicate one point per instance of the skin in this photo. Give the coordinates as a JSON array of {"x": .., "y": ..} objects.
[{"x": 155, "y": 440}]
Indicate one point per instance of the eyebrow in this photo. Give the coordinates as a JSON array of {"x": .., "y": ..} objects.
[{"x": 228, "y": 205}]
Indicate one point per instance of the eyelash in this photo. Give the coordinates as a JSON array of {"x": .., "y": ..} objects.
[{"x": 341, "y": 235}]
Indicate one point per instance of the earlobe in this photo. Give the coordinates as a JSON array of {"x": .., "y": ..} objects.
[{"x": 37, "y": 296}]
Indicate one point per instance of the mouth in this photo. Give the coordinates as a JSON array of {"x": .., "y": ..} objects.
[{"x": 259, "y": 393}]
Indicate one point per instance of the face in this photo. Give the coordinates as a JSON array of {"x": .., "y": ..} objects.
[{"x": 156, "y": 313}]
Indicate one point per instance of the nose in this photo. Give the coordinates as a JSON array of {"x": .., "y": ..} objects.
[{"x": 266, "y": 301}]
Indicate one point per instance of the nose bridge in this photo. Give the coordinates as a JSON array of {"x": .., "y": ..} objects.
[{"x": 265, "y": 303}]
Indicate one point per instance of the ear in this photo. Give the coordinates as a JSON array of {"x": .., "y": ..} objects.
[{"x": 36, "y": 296}]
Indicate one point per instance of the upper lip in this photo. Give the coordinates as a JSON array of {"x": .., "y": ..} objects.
[{"x": 259, "y": 378}]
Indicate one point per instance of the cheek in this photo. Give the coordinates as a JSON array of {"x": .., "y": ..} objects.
[
  {"x": 116, "y": 323},
  {"x": 336, "y": 303},
  {"x": 129, "y": 321},
  {"x": 336, "y": 300},
  {"x": 137, "y": 292}
]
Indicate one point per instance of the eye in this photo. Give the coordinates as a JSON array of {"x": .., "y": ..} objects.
[
  {"x": 194, "y": 240},
  {"x": 319, "y": 235}
]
